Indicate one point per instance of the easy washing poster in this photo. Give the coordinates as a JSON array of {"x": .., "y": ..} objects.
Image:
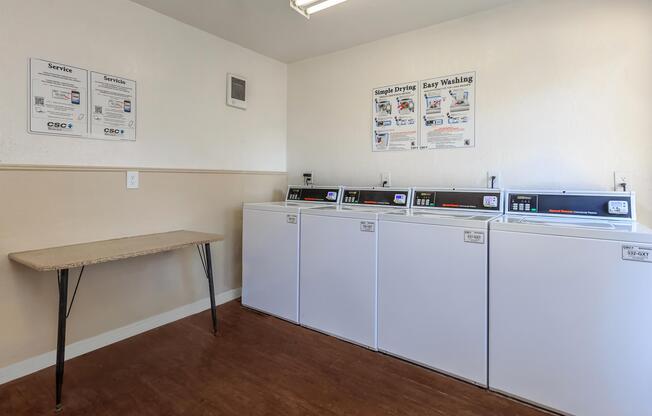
[
  {"x": 61, "y": 99},
  {"x": 436, "y": 113}
]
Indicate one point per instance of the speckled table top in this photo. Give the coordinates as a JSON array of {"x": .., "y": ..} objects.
[{"x": 77, "y": 255}]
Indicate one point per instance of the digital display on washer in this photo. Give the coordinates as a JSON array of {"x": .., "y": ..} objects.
[
  {"x": 384, "y": 197},
  {"x": 486, "y": 201},
  {"x": 312, "y": 194},
  {"x": 523, "y": 203},
  {"x": 606, "y": 206}
]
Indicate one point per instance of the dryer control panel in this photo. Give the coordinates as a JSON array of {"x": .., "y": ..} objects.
[
  {"x": 617, "y": 205},
  {"x": 480, "y": 200},
  {"x": 377, "y": 197},
  {"x": 313, "y": 194}
]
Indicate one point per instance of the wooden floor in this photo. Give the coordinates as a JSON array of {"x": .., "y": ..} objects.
[{"x": 257, "y": 365}]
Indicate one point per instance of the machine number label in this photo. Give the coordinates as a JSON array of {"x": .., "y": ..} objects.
[
  {"x": 292, "y": 219},
  {"x": 637, "y": 253},
  {"x": 476, "y": 237},
  {"x": 367, "y": 226}
]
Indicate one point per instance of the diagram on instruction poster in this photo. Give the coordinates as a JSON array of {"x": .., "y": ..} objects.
[
  {"x": 395, "y": 117},
  {"x": 113, "y": 107},
  {"x": 448, "y": 112},
  {"x": 58, "y": 95}
]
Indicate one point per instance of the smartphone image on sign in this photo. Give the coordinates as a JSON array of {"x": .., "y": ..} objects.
[
  {"x": 127, "y": 106},
  {"x": 75, "y": 97}
]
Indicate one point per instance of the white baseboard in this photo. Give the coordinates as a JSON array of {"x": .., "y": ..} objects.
[{"x": 34, "y": 364}]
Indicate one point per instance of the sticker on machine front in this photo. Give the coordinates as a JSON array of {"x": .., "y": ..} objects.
[
  {"x": 637, "y": 253},
  {"x": 367, "y": 226},
  {"x": 476, "y": 237},
  {"x": 292, "y": 219}
]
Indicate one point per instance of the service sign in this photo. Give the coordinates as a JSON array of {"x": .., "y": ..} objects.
[
  {"x": 113, "y": 107},
  {"x": 58, "y": 98}
]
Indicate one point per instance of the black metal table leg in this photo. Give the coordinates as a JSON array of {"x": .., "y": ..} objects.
[
  {"x": 211, "y": 287},
  {"x": 61, "y": 334}
]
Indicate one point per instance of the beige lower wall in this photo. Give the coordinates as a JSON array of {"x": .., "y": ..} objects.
[{"x": 48, "y": 207}]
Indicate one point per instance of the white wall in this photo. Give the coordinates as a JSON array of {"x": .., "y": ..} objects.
[
  {"x": 563, "y": 96},
  {"x": 183, "y": 121}
]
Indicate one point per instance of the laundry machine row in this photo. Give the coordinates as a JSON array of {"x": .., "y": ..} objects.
[{"x": 550, "y": 303}]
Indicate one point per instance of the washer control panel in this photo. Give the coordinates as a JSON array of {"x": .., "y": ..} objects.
[
  {"x": 523, "y": 203},
  {"x": 601, "y": 205},
  {"x": 378, "y": 197},
  {"x": 313, "y": 194},
  {"x": 480, "y": 200}
]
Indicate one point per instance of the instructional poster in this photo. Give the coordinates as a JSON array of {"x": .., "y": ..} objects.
[
  {"x": 113, "y": 107},
  {"x": 395, "y": 117},
  {"x": 58, "y": 95},
  {"x": 448, "y": 112}
]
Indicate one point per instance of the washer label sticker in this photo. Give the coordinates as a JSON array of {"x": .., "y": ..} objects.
[
  {"x": 367, "y": 226},
  {"x": 637, "y": 253},
  {"x": 476, "y": 237},
  {"x": 292, "y": 219}
]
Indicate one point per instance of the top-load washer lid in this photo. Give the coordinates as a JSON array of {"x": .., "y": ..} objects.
[
  {"x": 302, "y": 197},
  {"x": 451, "y": 206},
  {"x": 601, "y": 215}
]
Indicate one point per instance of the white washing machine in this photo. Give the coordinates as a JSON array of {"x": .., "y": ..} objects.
[
  {"x": 571, "y": 303},
  {"x": 270, "y": 249},
  {"x": 432, "y": 280},
  {"x": 338, "y": 263}
]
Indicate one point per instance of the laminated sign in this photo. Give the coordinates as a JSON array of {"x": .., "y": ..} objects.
[
  {"x": 395, "y": 111},
  {"x": 448, "y": 112},
  {"x": 58, "y": 95},
  {"x": 113, "y": 107}
]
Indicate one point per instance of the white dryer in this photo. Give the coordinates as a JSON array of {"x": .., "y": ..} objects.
[
  {"x": 338, "y": 263},
  {"x": 432, "y": 280},
  {"x": 270, "y": 249},
  {"x": 571, "y": 303}
]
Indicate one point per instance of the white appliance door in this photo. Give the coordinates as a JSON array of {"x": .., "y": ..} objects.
[
  {"x": 570, "y": 324},
  {"x": 432, "y": 297},
  {"x": 270, "y": 262},
  {"x": 338, "y": 277}
]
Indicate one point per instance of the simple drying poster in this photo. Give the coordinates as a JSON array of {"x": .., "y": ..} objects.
[
  {"x": 58, "y": 95},
  {"x": 448, "y": 112},
  {"x": 395, "y": 117},
  {"x": 113, "y": 107}
]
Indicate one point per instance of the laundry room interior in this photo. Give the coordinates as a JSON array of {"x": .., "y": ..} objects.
[{"x": 326, "y": 207}]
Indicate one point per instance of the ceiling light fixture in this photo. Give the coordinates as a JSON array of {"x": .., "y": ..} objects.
[{"x": 308, "y": 7}]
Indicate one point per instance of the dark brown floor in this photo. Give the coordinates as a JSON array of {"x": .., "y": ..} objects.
[{"x": 257, "y": 365}]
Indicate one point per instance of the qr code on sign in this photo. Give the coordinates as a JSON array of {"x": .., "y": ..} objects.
[
  {"x": 39, "y": 101},
  {"x": 98, "y": 109}
]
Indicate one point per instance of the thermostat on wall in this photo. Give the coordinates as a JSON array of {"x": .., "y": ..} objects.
[{"x": 236, "y": 92}]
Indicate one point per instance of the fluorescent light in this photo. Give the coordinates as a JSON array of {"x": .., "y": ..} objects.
[
  {"x": 301, "y": 3},
  {"x": 323, "y": 5},
  {"x": 308, "y": 7}
]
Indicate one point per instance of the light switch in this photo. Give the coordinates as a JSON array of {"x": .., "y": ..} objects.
[{"x": 132, "y": 180}]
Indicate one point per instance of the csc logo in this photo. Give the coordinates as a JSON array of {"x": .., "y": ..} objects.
[
  {"x": 55, "y": 125},
  {"x": 113, "y": 132}
]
